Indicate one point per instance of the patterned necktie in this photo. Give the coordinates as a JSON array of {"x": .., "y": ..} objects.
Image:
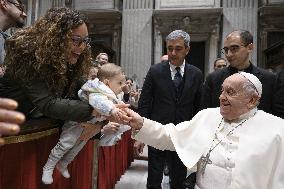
[{"x": 177, "y": 78}]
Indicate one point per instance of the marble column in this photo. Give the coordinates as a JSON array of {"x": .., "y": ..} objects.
[
  {"x": 136, "y": 40},
  {"x": 241, "y": 14},
  {"x": 158, "y": 50},
  {"x": 213, "y": 50},
  {"x": 44, "y": 6}
]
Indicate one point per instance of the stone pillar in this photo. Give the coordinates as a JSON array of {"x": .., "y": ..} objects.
[
  {"x": 241, "y": 14},
  {"x": 44, "y": 6},
  {"x": 213, "y": 45},
  {"x": 158, "y": 40},
  {"x": 262, "y": 46},
  {"x": 136, "y": 40},
  {"x": 58, "y": 3}
]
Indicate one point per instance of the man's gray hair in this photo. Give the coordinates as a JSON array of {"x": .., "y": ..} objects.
[{"x": 179, "y": 34}]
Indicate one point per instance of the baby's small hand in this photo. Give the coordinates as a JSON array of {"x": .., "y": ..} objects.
[
  {"x": 116, "y": 113},
  {"x": 110, "y": 128}
]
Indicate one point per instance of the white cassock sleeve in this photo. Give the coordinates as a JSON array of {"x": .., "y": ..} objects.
[{"x": 189, "y": 139}]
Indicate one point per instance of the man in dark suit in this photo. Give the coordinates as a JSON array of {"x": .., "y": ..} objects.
[
  {"x": 238, "y": 46},
  {"x": 170, "y": 94}
]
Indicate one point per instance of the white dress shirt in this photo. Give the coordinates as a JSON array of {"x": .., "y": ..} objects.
[{"x": 174, "y": 71}]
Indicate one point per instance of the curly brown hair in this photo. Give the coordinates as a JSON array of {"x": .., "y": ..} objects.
[{"x": 41, "y": 51}]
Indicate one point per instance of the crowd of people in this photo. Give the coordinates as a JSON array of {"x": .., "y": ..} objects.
[{"x": 226, "y": 126}]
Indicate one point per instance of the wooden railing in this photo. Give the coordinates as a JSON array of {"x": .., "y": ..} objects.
[{"x": 24, "y": 155}]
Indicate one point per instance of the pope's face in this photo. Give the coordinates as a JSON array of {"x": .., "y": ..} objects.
[{"x": 233, "y": 100}]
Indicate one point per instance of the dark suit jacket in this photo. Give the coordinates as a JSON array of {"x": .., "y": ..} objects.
[
  {"x": 212, "y": 87},
  {"x": 158, "y": 100},
  {"x": 278, "y": 104}
]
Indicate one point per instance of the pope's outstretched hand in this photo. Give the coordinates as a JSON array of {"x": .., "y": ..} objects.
[{"x": 133, "y": 119}]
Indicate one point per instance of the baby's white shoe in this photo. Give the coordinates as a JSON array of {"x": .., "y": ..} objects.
[
  {"x": 47, "y": 176},
  {"x": 63, "y": 170}
]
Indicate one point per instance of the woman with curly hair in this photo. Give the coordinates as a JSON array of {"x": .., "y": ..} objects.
[{"x": 45, "y": 64}]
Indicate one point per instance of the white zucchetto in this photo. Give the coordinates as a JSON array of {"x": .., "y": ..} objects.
[{"x": 254, "y": 80}]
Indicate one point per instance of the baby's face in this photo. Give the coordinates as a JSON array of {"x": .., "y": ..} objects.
[{"x": 116, "y": 83}]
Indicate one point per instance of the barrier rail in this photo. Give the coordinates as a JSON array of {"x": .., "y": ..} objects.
[{"x": 24, "y": 155}]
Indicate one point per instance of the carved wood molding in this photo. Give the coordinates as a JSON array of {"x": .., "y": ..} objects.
[
  {"x": 271, "y": 17},
  {"x": 192, "y": 21}
]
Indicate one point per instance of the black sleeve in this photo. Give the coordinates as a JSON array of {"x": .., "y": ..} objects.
[
  {"x": 146, "y": 96},
  {"x": 278, "y": 102},
  {"x": 57, "y": 108},
  {"x": 206, "y": 94},
  {"x": 198, "y": 96}
]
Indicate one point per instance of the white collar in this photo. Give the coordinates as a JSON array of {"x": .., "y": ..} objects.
[
  {"x": 247, "y": 115},
  {"x": 173, "y": 67}
]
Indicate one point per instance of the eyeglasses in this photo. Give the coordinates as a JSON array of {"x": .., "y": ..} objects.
[
  {"x": 233, "y": 49},
  {"x": 77, "y": 40},
  {"x": 20, "y": 6},
  {"x": 221, "y": 66}
]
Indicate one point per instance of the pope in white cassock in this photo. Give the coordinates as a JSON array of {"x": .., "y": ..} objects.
[{"x": 235, "y": 146}]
